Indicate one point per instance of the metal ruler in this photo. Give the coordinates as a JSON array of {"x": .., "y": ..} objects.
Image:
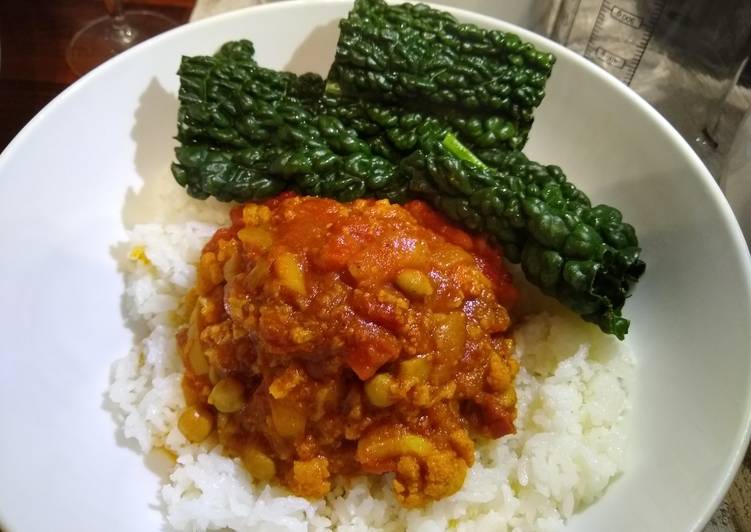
[{"x": 621, "y": 33}]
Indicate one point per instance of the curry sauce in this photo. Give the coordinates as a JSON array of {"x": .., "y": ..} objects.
[{"x": 326, "y": 339}]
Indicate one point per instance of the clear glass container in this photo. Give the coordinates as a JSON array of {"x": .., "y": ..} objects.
[{"x": 684, "y": 58}]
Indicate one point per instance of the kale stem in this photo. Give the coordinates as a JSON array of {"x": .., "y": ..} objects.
[
  {"x": 460, "y": 151},
  {"x": 332, "y": 88}
]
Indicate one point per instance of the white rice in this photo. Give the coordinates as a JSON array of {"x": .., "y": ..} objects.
[{"x": 572, "y": 398}]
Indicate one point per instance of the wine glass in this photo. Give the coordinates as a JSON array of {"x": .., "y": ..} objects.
[{"x": 107, "y": 36}]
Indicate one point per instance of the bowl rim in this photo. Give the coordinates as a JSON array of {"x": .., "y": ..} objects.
[{"x": 706, "y": 180}]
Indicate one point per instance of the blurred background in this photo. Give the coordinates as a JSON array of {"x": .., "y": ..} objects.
[{"x": 34, "y": 36}]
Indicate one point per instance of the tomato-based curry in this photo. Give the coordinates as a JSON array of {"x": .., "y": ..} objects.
[{"x": 327, "y": 339}]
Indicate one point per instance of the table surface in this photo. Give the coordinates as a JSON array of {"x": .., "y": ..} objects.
[{"x": 34, "y": 35}]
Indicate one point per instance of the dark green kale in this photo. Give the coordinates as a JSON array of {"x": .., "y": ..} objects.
[
  {"x": 396, "y": 131},
  {"x": 248, "y": 133},
  {"x": 411, "y": 55}
]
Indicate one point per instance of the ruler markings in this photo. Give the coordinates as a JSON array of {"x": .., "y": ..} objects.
[
  {"x": 623, "y": 20},
  {"x": 626, "y": 17},
  {"x": 591, "y": 51},
  {"x": 654, "y": 17}
]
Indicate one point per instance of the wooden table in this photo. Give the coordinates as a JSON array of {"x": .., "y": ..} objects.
[{"x": 34, "y": 35}]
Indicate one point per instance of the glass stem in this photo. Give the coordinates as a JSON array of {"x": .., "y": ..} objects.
[
  {"x": 114, "y": 8},
  {"x": 123, "y": 33}
]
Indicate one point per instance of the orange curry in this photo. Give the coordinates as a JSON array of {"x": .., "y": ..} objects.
[{"x": 328, "y": 339}]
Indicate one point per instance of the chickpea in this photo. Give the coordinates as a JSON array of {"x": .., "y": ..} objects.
[
  {"x": 414, "y": 283},
  {"x": 378, "y": 390},
  {"x": 228, "y": 395},
  {"x": 288, "y": 420},
  {"x": 259, "y": 464},
  {"x": 196, "y": 423}
]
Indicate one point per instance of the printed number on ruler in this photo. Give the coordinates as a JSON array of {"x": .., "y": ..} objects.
[{"x": 621, "y": 33}]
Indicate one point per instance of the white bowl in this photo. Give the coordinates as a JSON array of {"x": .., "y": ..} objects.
[{"x": 63, "y": 184}]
